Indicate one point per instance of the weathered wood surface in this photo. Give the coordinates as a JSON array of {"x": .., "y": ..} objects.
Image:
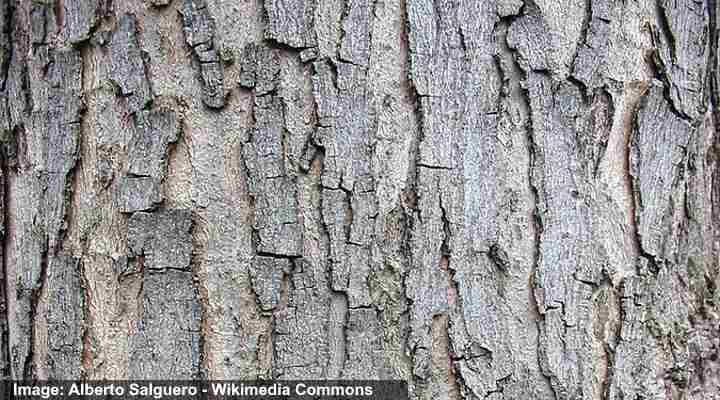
[{"x": 489, "y": 199}]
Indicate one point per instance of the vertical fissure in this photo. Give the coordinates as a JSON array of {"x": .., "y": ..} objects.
[
  {"x": 6, "y": 55},
  {"x": 86, "y": 357},
  {"x": 59, "y": 14},
  {"x": 713, "y": 78},
  {"x": 6, "y": 44},
  {"x": 630, "y": 122},
  {"x": 663, "y": 23},
  {"x": 8, "y": 268},
  {"x": 35, "y": 298},
  {"x": 4, "y": 309},
  {"x": 518, "y": 92}
]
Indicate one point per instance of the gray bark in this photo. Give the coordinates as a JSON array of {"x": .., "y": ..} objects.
[{"x": 488, "y": 199}]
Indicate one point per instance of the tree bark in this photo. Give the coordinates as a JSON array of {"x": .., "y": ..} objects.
[{"x": 510, "y": 199}]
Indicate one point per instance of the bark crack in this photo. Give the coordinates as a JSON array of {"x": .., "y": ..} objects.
[
  {"x": 4, "y": 301},
  {"x": 713, "y": 77}
]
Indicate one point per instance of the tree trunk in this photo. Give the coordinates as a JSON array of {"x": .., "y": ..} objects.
[{"x": 488, "y": 199}]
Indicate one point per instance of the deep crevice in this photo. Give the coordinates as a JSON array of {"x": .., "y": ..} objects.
[
  {"x": 663, "y": 23},
  {"x": 4, "y": 332},
  {"x": 6, "y": 45},
  {"x": 713, "y": 82}
]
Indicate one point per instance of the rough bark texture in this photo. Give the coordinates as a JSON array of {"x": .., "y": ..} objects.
[{"x": 510, "y": 199}]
